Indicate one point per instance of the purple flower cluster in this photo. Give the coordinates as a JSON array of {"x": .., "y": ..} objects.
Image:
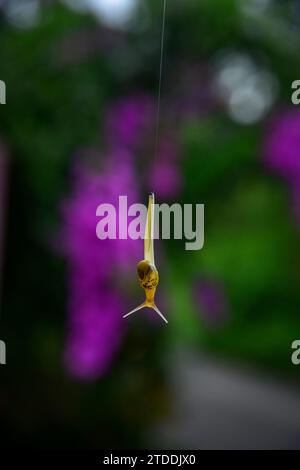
[
  {"x": 96, "y": 303},
  {"x": 282, "y": 144},
  {"x": 281, "y": 151},
  {"x": 130, "y": 121}
]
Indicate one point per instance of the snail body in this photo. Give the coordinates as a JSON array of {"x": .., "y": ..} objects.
[
  {"x": 146, "y": 270},
  {"x": 148, "y": 278}
]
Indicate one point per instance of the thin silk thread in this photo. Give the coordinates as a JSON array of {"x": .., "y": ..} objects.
[{"x": 160, "y": 79}]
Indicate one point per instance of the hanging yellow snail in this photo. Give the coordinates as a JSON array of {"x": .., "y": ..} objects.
[{"x": 147, "y": 272}]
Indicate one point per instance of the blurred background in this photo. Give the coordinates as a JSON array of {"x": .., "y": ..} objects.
[{"x": 78, "y": 130}]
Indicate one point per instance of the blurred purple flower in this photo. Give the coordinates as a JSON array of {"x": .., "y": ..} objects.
[
  {"x": 211, "y": 300},
  {"x": 90, "y": 189},
  {"x": 95, "y": 331},
  {"x": 130, "y": 121},
  {"x": 96, "y": 304},
  {"x": 281, "y": 152},
  {"x": 165, "y": 178},
  {"x": 281, "y": 147}
]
